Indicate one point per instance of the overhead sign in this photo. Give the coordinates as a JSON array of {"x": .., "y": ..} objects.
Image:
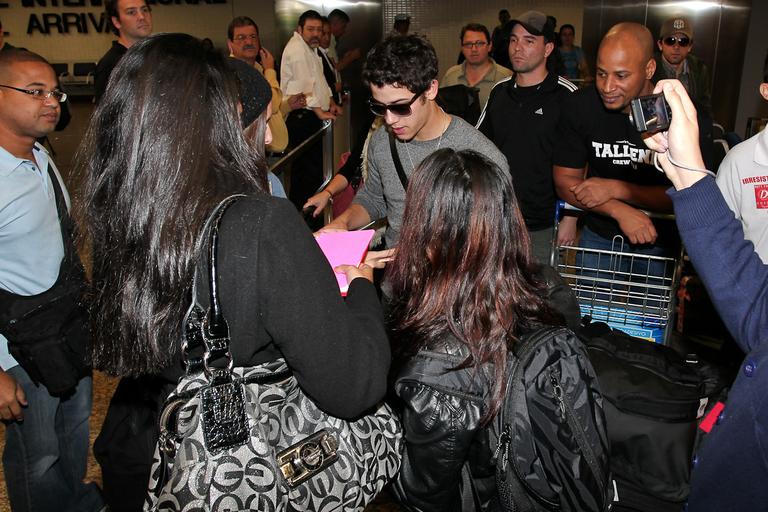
[{"x": 81, "y": 22}]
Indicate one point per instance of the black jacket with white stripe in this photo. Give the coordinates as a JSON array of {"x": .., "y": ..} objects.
[{"x": 522, "y": 122}]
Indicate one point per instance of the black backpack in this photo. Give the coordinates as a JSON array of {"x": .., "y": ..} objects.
[
  {"x": 552, "y": 451},
  {"x": 654, "y": 398}
]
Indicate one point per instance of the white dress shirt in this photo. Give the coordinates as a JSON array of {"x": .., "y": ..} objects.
[{"x": 301, "y": 71}]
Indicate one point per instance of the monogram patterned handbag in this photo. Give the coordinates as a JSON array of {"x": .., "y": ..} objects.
[{"x": 248, "y": 438}]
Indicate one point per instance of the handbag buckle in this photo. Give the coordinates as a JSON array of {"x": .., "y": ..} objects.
[
  {"x": 308, "y": 457},
  {"x": 169, "y": 437}
]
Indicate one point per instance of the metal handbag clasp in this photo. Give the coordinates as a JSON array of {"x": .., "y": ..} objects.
[
  {"x": 308, "y": 457},
  {"x": 169, "y": 437}
]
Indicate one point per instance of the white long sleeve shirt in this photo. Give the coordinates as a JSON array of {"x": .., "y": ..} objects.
[{"x": 301, "y": 71}]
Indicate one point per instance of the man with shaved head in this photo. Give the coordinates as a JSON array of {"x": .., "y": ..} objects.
[{"x": 601, "y": 163}]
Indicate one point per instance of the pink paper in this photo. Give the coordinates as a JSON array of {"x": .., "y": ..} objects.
[{"x": 344, "y": 248}]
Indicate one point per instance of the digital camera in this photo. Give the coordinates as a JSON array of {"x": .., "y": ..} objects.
[{"x": 650, "y": 113}]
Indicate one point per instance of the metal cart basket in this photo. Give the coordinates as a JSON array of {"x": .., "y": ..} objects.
[{"x": 634, "y": 293}]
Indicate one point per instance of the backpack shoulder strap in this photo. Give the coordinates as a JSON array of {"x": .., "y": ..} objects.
[{"x": 396, "y": 160}]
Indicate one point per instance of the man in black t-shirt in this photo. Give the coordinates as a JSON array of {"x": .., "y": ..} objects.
[
  {"x": 131, "y": 20},
  {"x": 601, "y": 163},
  {"x": 521, "y": 118},
  {"x": 595, "y": 135}
]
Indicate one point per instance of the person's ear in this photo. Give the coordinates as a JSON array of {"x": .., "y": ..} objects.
[
  {"x": 660, "y": 45},
  {"x": 548, "y": 49},
  {"x": 650, "y": 68},
  {"x": 116, "y": 22},
  {"x": 431, "y": 92},
  {"x": 229, "y": 47},
  {"x": 764, "y": 90}
]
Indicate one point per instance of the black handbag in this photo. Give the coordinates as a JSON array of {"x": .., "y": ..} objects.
[
  {"x": 47, "y": 332},
  {"x": 248, "y": 438}
]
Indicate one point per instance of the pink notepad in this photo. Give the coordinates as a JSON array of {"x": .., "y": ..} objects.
[{"x": 345, "y": 248}]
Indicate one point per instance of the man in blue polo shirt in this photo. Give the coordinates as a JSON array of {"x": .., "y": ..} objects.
[{"x": 46, "y": 447}]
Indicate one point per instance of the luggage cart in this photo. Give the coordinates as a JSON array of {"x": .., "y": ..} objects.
[{"x": 634, "y": 293}]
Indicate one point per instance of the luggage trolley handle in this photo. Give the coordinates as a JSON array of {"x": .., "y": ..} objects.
[{"x": 561, "y": 207}]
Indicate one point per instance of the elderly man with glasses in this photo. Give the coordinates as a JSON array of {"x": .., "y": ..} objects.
[
  {"x": 45, "y": 389},
  {"x": 401, "y": 72},
  {"x": 244, "y": 44},
  {"x": 676, "y": 61}
]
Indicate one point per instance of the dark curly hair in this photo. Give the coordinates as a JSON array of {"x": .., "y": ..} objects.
[{"x": 406, "y": 61}]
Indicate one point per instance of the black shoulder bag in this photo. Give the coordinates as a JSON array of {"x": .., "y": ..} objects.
[{"x": 47, "y": 333}]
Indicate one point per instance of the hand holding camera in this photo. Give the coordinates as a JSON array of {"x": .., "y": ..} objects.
[{"x": 678, "y": 148}]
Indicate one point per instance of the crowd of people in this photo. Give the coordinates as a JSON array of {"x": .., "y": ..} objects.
[{"x": 469, "y": 207}]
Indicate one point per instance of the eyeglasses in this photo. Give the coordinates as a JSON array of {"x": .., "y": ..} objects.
[
  {"x": 476, "y": 44},
  {"x": 242, "y": 37},
  {"x": 41, "y": 94},
  {"x": 682, "y": 41},
  {"x": 399, "y": 109}
]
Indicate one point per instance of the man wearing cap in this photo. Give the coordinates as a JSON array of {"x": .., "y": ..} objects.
[
  {"x": 600, "y": 161},
  {"x": 478, "y": 70},
  {"x": 301, "y": 71},
  {"x": 131, "y": 20},
  {"x": 676, "y": 61},
  {"x": 521, "y": 118}
]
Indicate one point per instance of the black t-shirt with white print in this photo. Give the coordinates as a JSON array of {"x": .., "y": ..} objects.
[{"x": 604, "y": 141}]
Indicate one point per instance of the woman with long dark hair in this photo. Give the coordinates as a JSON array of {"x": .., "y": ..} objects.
[
  {"x": 466, "y": 288},
  {"x": 164, "y": 147}
]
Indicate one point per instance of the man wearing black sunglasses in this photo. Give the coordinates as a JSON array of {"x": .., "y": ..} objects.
[
  {"x": 676, "y": 61},
  {"x": 402, "y": 75}
]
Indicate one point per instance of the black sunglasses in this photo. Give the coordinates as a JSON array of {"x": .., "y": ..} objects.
[
  {"x": 682, "y": 41},
  {"x": 399, "y": 109}
]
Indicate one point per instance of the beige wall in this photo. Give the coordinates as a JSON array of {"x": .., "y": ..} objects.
[
  {"x": 441, "y": 21},
  {"x": 200, "y": 20}
]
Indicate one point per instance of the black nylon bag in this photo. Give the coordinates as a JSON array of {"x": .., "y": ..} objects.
[
  {"x": 552, "y": 451},
  {"x": 653, "y": 398},
  {"x": 461, "y": 101},
  {"x": 47, "y": 335}
]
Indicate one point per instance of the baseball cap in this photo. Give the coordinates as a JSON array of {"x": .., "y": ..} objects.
[
  {"x": 536, "y": 23},
  {"x": 678, "y": 25}
]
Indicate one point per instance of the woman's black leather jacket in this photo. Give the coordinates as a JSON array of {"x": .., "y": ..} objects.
[
  {"x": 441, "y": 421},
  {"x": 448, "y": 461}
]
